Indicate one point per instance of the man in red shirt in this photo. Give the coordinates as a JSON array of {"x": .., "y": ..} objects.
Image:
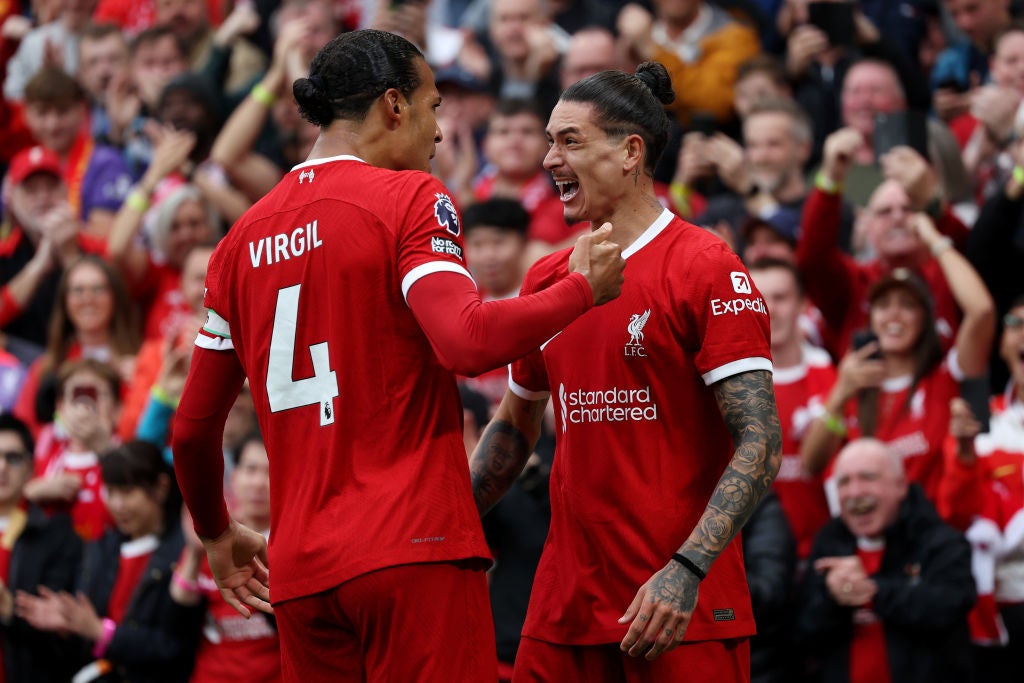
[
  {"x": 836, "y": 282},
  {"x": 344, "y": 297},
  {"x": 803, "y": 376},
  {"x": 666, "y": 428}
]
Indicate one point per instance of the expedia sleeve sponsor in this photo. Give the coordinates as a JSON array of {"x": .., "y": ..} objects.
[{"x": 738, "y": 305}]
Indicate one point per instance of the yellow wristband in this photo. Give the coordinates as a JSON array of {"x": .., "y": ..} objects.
[
  {"x": 833, "y": 424},
  {"x": 1018, "y": 175},
  {"x": 137, "y": 201},
  {"x": 680, "y": 197},
  {"x": 261, "y": 94},
  {"x": 826, "y": 184},
  {"x": 163, "y": 398}
]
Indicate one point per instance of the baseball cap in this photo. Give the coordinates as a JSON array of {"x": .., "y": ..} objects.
[
  {"x": 458, "y": 76},
  {"x": 30, "y": 161},
  {"x": 908, "y": 280},
  {"x": 783, "y": 221}
]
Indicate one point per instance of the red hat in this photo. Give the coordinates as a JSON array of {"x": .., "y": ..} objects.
[{"x": 30, "y": 161}]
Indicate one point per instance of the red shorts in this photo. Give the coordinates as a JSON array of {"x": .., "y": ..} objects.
[
  {"x": 722, "y": 661},
  {"x": 417, "y": 622}
]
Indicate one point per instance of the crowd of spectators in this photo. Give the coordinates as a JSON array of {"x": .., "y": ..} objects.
[{"x": 864, "y": 157}]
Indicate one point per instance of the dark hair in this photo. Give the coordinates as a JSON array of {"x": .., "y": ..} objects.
[
  {"x": 769, "y": 263},
  {"x": 123, "y": 336},
  {"x": 498, "y": 212},
  {"x": 52, "y": 86},
  {"x": 352, "y": 71},
  {"x": 513, "y": 106},
  {"x": 928, "y": 347},
  {"x": 769, "y": 65},
  {"x": 252, "y": 437},
  {"x": 155, "y": 34},
  {"x": 9, "y": 423},
  {"x": 140, "y": 464},
  {"x": 100, "y": 31},
  {"x": 630, "y": 105},
  {"x": 104, "y": 371}
]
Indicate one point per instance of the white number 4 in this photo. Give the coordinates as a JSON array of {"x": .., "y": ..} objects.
[{"x": 284, "y": 392}]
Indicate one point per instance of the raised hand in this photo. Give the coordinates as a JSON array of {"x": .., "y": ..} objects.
[{"x": 840, "y": 148}]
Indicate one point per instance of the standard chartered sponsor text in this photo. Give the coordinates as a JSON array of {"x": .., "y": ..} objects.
[{"x": 610, "y": 405}]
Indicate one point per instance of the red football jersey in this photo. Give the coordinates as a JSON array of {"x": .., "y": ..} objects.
[
  {"x": 362, "y": 423},
  {"x": 641, "y": 443},
  {"x": 800, "y": 394},
  {"x": 915, "y": 427}
]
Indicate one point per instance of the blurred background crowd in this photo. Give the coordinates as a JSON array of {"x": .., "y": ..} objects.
[{"x": 865, "y": 158}]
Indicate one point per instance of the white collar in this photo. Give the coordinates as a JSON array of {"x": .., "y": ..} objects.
[
  {"x": 655, "y": 228},
  {"x": 326, "y": 160}
]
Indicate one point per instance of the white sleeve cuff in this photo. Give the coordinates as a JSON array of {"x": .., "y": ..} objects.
[
  {"x": 425, "y": 269},
  {"x": 735, "y": 368}
]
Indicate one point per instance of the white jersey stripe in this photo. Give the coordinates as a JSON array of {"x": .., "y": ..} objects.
[
  {"x": 523, "y": 392},
  {"x": 735, "y": 368},
  {"x": 214, "y": 343},
  {"x": 429, "y": 268}
]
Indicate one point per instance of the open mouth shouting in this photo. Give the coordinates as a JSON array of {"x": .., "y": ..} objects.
[{"x": 567, "y": 189}]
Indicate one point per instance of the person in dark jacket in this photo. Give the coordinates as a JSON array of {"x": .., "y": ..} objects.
[
  {"x": 34, "y": 551},
  {"x": 891, "y": 584},
  {"x": 769, "y": 556},
  {"x": 123, "y": 616}
]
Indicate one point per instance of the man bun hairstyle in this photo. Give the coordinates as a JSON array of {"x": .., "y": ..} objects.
[
  {"x": 627, "y": 104},
  {"x": 352, "y": 71},
  {"x": 655, "y": 76}
]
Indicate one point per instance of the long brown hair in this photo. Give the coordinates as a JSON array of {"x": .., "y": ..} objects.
[{"x": 124, "y": 336}]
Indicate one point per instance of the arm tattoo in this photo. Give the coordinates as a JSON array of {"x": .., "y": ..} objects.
[
  {"x": 497, "y": 461},
  {"x": 747, "y": 404}
]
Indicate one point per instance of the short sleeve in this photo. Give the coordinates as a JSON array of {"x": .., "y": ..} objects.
[
  {"x": 731, "y": 317},
  {"x": 215, "y": 334},
  {"x": 528, "y": 376},
  {"x": 430, "y": 233}
]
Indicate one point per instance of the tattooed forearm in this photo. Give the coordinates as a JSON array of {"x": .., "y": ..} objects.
[
  {"x": 496, "y": 462},
  {"x": 747, "y": 404}
]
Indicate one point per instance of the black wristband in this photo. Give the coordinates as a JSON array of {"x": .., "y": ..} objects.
[{"x": 694, "y": 569}]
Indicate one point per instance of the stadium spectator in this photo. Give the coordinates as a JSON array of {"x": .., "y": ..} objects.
[
  {"x": 96, "y": 177},
  {"x": 38, "y": 552},
  {"x": 92, "y": 317},
  {"x": 891, "y": 584},
  {"x": 122, "y": 619},
  {"x": 54, "y": 43},
  {"x": 898, "y": 386}
]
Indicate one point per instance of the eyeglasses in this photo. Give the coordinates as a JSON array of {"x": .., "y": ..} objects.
[
  {"x": 15, "y": 458},
  {"x": 82, "y": 290},
  {"x": 1013, "y": 322}
]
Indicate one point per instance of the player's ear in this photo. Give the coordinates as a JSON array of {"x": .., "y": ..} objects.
[
  {"x": 633, "y": 152},
  {"x": 391, "y": 101}
]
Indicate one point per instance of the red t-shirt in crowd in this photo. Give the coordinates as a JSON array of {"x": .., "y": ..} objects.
[
  {"x": 233, "y": 648},
  {"x": 361, "y": 421},
  {"x": 800, "y": 392},
  {"x": 88, "y": 511},
  {"x": 869, "y": 660},
  {"x": 641, "y": 443},
  {"x": 915, "y": 427},
  {"x": 131, "y": 566}
]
